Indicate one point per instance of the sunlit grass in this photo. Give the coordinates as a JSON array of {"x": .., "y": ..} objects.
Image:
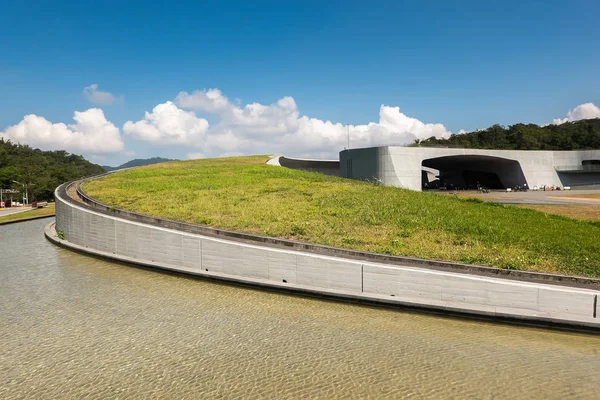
[
  {"x": 244, "y": 194},
  {"x": 36, "y": 212}
]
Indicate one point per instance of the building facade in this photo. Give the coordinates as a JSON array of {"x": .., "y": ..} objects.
[{"x": 419, "y": 168}]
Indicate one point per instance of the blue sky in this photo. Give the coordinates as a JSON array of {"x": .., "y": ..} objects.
[{"x": 463, "y": 64}]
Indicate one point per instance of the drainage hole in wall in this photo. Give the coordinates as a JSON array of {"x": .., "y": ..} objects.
[
  {"x": 393, "y": 295},
  {"x": 206, "y": 270},
  {"x": 284, "y": 281}
]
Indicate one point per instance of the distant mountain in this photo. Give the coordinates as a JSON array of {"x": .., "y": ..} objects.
[{"x": 138, "y": 162}]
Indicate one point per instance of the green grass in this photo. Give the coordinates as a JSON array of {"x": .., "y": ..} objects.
[
  {"x": 36, "y": 212},
  {"x": 245, "y": 195}
]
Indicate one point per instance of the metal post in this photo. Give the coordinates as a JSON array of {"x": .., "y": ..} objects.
[
  {"x": 27, "y": 190},
  {"x": 22, "y": 193}
]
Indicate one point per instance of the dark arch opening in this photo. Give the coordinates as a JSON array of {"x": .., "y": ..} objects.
[
  {"x": 591, "y": 164},
  {"x": 468, "y": 171}
]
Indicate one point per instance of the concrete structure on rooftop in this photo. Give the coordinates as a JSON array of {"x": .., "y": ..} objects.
[
  {"x": 327, "y": 167},
  {"x": 417, "y": 168}
]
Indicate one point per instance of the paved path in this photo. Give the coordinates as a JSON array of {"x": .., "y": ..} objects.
[
  {"x": 549, "y": 197},
  {"x": 535, "y": 197},
  {"x": 13, "y": 210}
]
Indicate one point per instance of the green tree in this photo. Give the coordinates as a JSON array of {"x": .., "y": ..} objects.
[
  {"x": 579, "y": 135},
  {"x": 42, "y": 171}
]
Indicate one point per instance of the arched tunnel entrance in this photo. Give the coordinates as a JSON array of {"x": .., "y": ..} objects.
[{"x": 469, "y": 171}]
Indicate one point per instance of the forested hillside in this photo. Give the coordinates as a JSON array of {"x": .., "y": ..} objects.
[
  {"x": 42, "y": 171},
  {"x": 579, "y": 135}
]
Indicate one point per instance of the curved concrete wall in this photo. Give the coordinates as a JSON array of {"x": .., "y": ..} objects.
[
  {"x": 327, "y": 167},
  {"x": 130, "y": 241}
]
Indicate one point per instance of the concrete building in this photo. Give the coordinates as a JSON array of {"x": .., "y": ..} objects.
[{"x": 422, "y": 167}]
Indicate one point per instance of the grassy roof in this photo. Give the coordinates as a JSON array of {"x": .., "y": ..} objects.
[{"x": 244, "y": 194}]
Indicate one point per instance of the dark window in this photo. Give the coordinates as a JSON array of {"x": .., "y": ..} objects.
[{"x": 590, "y": 162}]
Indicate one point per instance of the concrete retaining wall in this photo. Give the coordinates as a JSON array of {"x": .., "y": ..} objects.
[
  {"x": 120, "y": 239},
  {"x": 327, "y": 167}
]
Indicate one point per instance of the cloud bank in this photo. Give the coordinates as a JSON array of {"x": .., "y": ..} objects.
[
  {"x": 254, "y": 128},
  {"x": 582, "y": 111},
  {"x": 273, "y": 128},
  {"x": 90, "y": 134},
  {"x": 168, "y": 124}
]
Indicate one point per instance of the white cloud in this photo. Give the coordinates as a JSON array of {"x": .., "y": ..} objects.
[
  {"x": 211, "y": 100},
  {"x": 95, "y": 96},
  {"x": 582, "y": 111},
  {"x": 169, "y": 124},
  {"x": 275, "y": 128},
  {"x": 91, "y": 134},
  {"x": 231, "y": 154},
  {"x": 195, "y": 156},
  {"x": 279, "y": 128}
]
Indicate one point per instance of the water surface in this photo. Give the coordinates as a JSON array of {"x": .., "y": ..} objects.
[{"x": 73, "y": 326}]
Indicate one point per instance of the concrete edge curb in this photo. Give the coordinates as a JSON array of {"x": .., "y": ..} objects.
[{"x": 274, "y": 161}]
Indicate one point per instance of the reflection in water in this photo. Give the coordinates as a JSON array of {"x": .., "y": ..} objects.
[{"x": 74, "y": 325}]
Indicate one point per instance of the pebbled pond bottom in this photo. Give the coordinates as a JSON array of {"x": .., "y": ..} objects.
[{"x": 72, "y": 326}]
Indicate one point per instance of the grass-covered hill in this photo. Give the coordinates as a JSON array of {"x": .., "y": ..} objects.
[
  {"x": 246, "y": 195},
  {"x": 42, "y": 171},
  {"x": 138, "y": 162},
  {"x": 579, "y": 135}
]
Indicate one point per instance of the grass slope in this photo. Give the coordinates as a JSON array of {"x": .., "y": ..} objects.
[
  {"x": 243, "y": 194},
  {"x": 35, "y": 212}
]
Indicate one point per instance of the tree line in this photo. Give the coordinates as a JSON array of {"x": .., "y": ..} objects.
[
  {"x": 41, "y": 171},
  {"x": 578, "y": 135}
]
